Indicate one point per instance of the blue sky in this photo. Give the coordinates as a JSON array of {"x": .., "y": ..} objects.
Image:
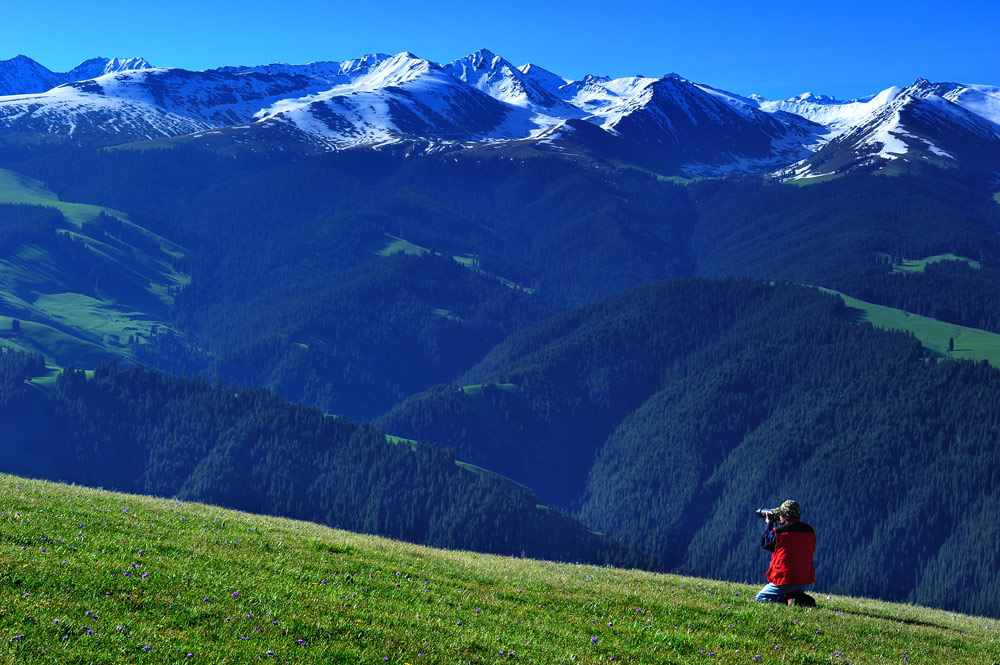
[{"x": 776, "y": 48}]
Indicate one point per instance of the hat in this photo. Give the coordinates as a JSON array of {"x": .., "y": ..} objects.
[{"x": 789, "y": 510}]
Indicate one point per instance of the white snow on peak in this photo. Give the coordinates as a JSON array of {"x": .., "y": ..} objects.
[
  {"x": 837, "y": 117},
  {"x": 543, "y": 77},
  {"x": 983, "y": 100},
  {"x": 89, "y": 69},
  {"x": 392, "y": 71},
  {"x": 537, "y": 90},
  {"x": 744, "y": 105},
  {"x": 493, "y": 75}
]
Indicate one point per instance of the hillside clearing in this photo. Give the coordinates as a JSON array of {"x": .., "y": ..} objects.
[
  {"x": 918, "y": 265},
  {"x": 17, "y": 188},
  {"x": 970, "y": 343},
  {"x": 395, "y": 245},
  {"x": 99, "y": 577}
]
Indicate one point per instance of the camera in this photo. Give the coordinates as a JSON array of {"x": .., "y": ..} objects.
[{"x": 765, "y": 513}]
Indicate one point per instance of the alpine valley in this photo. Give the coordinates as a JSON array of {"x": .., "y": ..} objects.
[{"x": 482, "y": 306}]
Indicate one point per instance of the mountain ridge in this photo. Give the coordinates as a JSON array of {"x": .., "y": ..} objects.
[
  {"x": 21, "y": 74},
  {"x": 669, "y": 123}
]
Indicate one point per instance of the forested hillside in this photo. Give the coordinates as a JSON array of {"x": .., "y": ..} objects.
[
  {"x": 139, "y": 430},
  {"x": 289, "y": 289},
  {"x": 689, "y": 404}
]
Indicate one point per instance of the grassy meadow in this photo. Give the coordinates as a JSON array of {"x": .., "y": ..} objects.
[
  {"x": 90, "y": 576},
  {"x": 17, "y": 188},
  {"x": 970, "y": 343},
  {"x": 62, "y": 317}
]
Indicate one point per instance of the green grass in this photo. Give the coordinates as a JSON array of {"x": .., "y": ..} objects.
[
  {"x": 480, "y": 471},
  {"x": 59, "y": 348},
  {"x": 68, "y": 326},
  {"x": 472, "y": 468},
  {"x": 16, "y": 188},
  {"x": 395, "y": 244},
  {"x": 970, "y": 343},
  {"x": 996, "y": 197},
  {"x": 398, "y": 440},
  {"x": 88, "y": 576},
  {"x": 919, "y": 265},
  {"x": 477, "y": 389},
  {"x": 101, "y": 318}
]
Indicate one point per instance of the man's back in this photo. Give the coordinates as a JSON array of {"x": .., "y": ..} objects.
[{"x": 792, "y": 554}]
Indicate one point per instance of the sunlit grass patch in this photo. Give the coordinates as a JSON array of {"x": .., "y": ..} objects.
[
  {"x": 969, "y": 343},
  {"x": 17, "y": 188}
]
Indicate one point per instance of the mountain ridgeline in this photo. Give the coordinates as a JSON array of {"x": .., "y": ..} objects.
[{"x": 668, "y": 124}]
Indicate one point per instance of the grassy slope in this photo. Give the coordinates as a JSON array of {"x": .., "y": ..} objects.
[
  {"x": 16, "y": 188},
  {"x": 918, "y": 265},
  {"x": 970, "y": 343},
  {"x": 395, "y": 244},
  {"x": 77, "y": 328},
  {"x": 97, "y": 577}
]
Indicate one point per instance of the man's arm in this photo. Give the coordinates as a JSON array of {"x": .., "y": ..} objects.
[{"x": 769, "y": 538}]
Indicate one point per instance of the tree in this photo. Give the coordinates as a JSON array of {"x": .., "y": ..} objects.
[
  {"x": 951, "y": 344},
  {"x": 15, "y": 325}
]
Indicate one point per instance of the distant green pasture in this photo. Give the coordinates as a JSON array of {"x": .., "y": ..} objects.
[
  {"x": 59, "y": 348},
  {"x": 472, "y": 468},
  {"x": 395, "y": 245},
  {"x": 17, "y": 188},
  {"x": 100, "y": 318},
  {"x": 918, "y": 265},
  {"x": 398, "y": 439},
  {"x": 970, "y": 343},
  {"x": 477, "y": 389},
  {"x": 478, "y": 470},
  {"x": 64, "y": 325}
]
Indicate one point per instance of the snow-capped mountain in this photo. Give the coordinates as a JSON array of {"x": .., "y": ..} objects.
[
  {"x": 503, "y": 81},
  {"x": 22, "y": 75},
  {"x": 145, "y": 104},
  {"x": 924, "y": 123},
  {"x": 332, "y": 72},
  {"x": 668, "y": 123},
  {"x": 835, "y": 115},
  {"x": 402, "y": 97},
  {"x": 691, "y": 128}
]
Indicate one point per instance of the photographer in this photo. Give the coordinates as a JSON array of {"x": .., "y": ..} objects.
[{"x": 792, "y": 544}]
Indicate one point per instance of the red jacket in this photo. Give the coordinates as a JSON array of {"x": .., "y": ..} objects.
[{"x": 792, "y": 546}]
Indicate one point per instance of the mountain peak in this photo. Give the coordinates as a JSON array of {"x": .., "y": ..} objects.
[
  {"x": 483, "y": 59},
  {"x": 99, "y": 66},
  {"x": 813, "y": 98},
  {"x": 484, "y": 54}
]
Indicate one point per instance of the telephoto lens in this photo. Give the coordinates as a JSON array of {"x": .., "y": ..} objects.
[{"x": 763, "y": 512}]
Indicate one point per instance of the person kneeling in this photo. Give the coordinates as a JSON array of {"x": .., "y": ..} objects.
[{"x": 792, "y": 544}]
